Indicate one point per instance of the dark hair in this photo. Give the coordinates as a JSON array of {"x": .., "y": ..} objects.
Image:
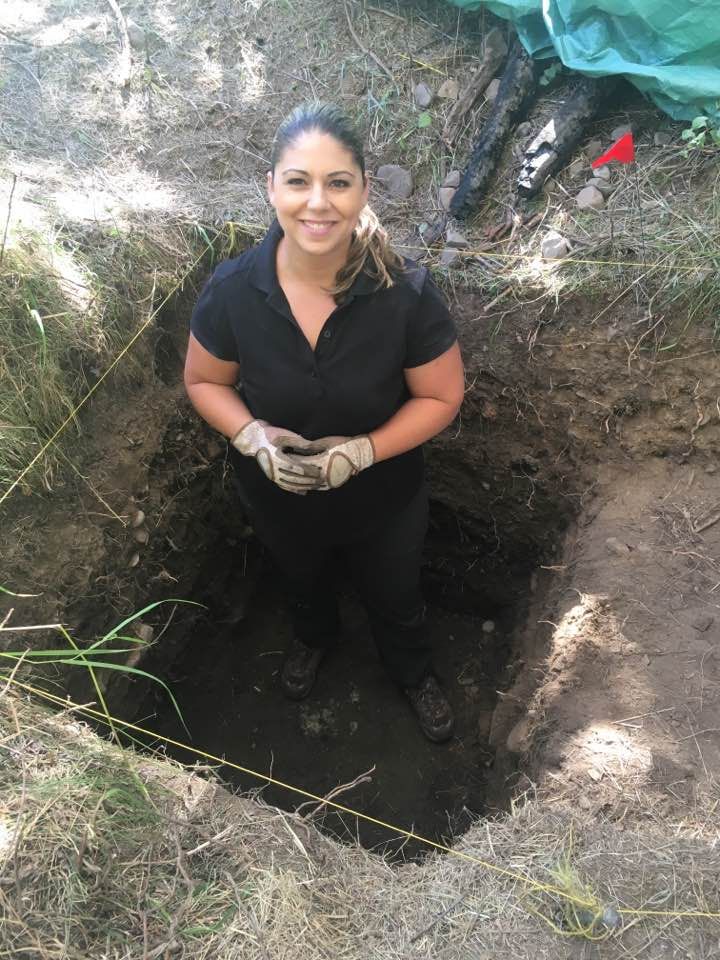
[{"x": 370, "y": 241}]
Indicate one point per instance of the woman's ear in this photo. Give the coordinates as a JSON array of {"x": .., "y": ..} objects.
[{"x": 270, "y": 190}]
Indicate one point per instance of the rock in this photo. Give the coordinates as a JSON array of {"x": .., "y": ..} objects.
[
  {"x": 602, "y": 173},
  {"x": 445, "y": 195},
  {"x": 455, "y": 239},
  {"x": 553, "y": 246},
  {"x": 603, "y": 186},
  {"x": 136, "y": 35},
  {"x": 703, "y": 622},
  {"x": 491, "y": 91},
  {"x": 593, "y": 150},
  {"x": 578, "y": 167},
  {"x": 134, "y": 560},
  {"x": 141, "y": 535},
  {"x": 449, "y": 90},
  {"x": 611, "y": 918},
  {"x": 139, "y": 519},
  {"x": 448, "y": 256},
  {"x": 452, "y": 179},
  {"x": 590, "y": 199},
  {"x": 517, "y": 741},
  {"x": 584, "y": 803},
  {"x": 620, "y": 132},
  {"x": 617, "y": 547},
  {"x": 397, "y": 180},
  {"x": 594, "y": 774},
  {"x": 488, "y": 626},
  {"x": 423, "y": 95},
  {"x": 143, "y": 631},
  {"x": 524, "y": 130},
  {"x": 662, "y": 139}
]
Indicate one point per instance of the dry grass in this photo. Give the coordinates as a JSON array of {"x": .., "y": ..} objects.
[{"x": 108, "y": 853}]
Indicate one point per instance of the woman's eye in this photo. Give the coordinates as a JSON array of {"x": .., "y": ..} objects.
[
  {"x": 296, "y": 182},
  {"x": 340, "y": 183}
]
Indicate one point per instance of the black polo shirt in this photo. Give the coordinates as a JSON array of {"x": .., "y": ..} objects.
[{"x": 350, "y": 384}]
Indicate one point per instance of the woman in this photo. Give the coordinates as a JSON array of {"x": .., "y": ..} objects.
[{"x": 348, "y": 361}]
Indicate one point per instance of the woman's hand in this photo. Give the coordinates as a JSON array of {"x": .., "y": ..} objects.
[
  {"x": 279, "y": 454},
  {"x": 331, "y": 461}
]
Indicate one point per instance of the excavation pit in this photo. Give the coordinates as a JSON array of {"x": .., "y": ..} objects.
[{"x": 356, "y": 726}]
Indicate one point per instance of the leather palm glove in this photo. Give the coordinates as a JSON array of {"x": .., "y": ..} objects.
[
  {"x": 279, "y": 454},
  {"x": 337, "y": 459}
]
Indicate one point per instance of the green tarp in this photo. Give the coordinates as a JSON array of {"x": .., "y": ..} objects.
[{"x": 670, "y": 49}]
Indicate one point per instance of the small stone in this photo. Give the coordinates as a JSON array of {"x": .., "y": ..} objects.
[
  {"x": 524, "y": 130},
  {"x": 594, "y": 774},
  {"x": 590, "y": 199},
  {"x": 136, "y": 35},
  {"x": 662, "y": 139},
  {"x": 141, "y": 535},
  {"x": 423, "y": 95},
  {"x": 620, "y": 132},
  {"x": 134, "y": 560},
  {"x": 603, "y": 186},
  {"x": 455, "y": 239},
  {"x": 578, "y": 167},
  {"x": 593, "y": 150},
  {"x": 584, "y": 803},
  {"x": 711, "y": 468},
  {"x": 449, "y": 90},
  {"x": 397, "y": 180},
  {"x": 488, "y": 626},
  {"x": 139, "y": 519},
  {"x": 485, "y": 485},
  {"x": 144, "y": 631},
  {"x": 703, "y": 622},
  {"x": 602, "y": 173},
  {"x": 452, "y": 179},
  {"x": 517, "y": 741},
  {"x": 554, "y": 246},
  {"x": 611, "y": 918},
  {"x": 617, "y": 547},
  {"x": 448, "y": 256},
  {"x": 491, "y": 91},
  {"x": 445, "y": 195},
  {"x": 646, "y": 660}
]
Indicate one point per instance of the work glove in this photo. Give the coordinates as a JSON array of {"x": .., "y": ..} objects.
[
  {"x": 279, "y": 455},
  {"x": 337, "y": 459}
]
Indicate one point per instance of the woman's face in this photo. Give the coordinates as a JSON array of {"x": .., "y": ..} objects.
[{"x": 318, "y": 191}]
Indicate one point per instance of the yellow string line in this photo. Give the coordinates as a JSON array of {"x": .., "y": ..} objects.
[
  {"x": 528, "y": 881},
  {"x": 73, "y": 412}
]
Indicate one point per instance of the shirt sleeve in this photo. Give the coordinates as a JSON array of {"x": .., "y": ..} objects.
[
  {"x": 431, "y": 330},
  {"x": 210, "y": 324}
]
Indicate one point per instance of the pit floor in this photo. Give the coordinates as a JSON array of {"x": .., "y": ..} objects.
[{"x": 355, "y": 719}]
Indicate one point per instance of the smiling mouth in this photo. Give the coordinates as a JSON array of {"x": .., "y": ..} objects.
[{"x": 318, "y": 226}]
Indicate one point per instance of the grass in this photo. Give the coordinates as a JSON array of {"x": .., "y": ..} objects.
[
  {"x": 67, "y": 310},
  {"x": 113, "y": 853}
]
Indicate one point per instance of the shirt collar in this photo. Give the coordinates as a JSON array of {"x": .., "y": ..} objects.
[{"x": 263, "y": 274}]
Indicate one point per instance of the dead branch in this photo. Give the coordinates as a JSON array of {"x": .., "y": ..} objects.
[{"x": 493, "y": 52}]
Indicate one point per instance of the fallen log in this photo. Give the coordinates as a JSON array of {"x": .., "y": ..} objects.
[
  {"x": 557, "y": 139},
  {"x": 493, "y": 51},
  {"x": 518, "y": 89}
]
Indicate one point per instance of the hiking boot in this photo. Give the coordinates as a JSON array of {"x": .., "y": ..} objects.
[
  {"x": 299, "y": 670},
  {"x": 432, "y": 709}
]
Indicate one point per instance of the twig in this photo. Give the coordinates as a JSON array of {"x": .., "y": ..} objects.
[
  {"x": 708, "y": 523},
  {"x": 358, "y": 41},
  {"x": 440, "y": 916},
  {"x": 336, "y": 791},
  {"x": 125, "y": 54},
  {"x": 26, "y": 68},
  {"x": 7, "y": 219}
]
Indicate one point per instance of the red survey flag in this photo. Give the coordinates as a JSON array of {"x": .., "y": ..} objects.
[{"x": 623, "y": 151}]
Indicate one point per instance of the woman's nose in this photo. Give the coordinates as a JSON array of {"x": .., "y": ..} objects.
[{"x": 317, "y": 199}]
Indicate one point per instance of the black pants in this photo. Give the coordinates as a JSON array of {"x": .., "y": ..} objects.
[{"x": 385, "y": 569}]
